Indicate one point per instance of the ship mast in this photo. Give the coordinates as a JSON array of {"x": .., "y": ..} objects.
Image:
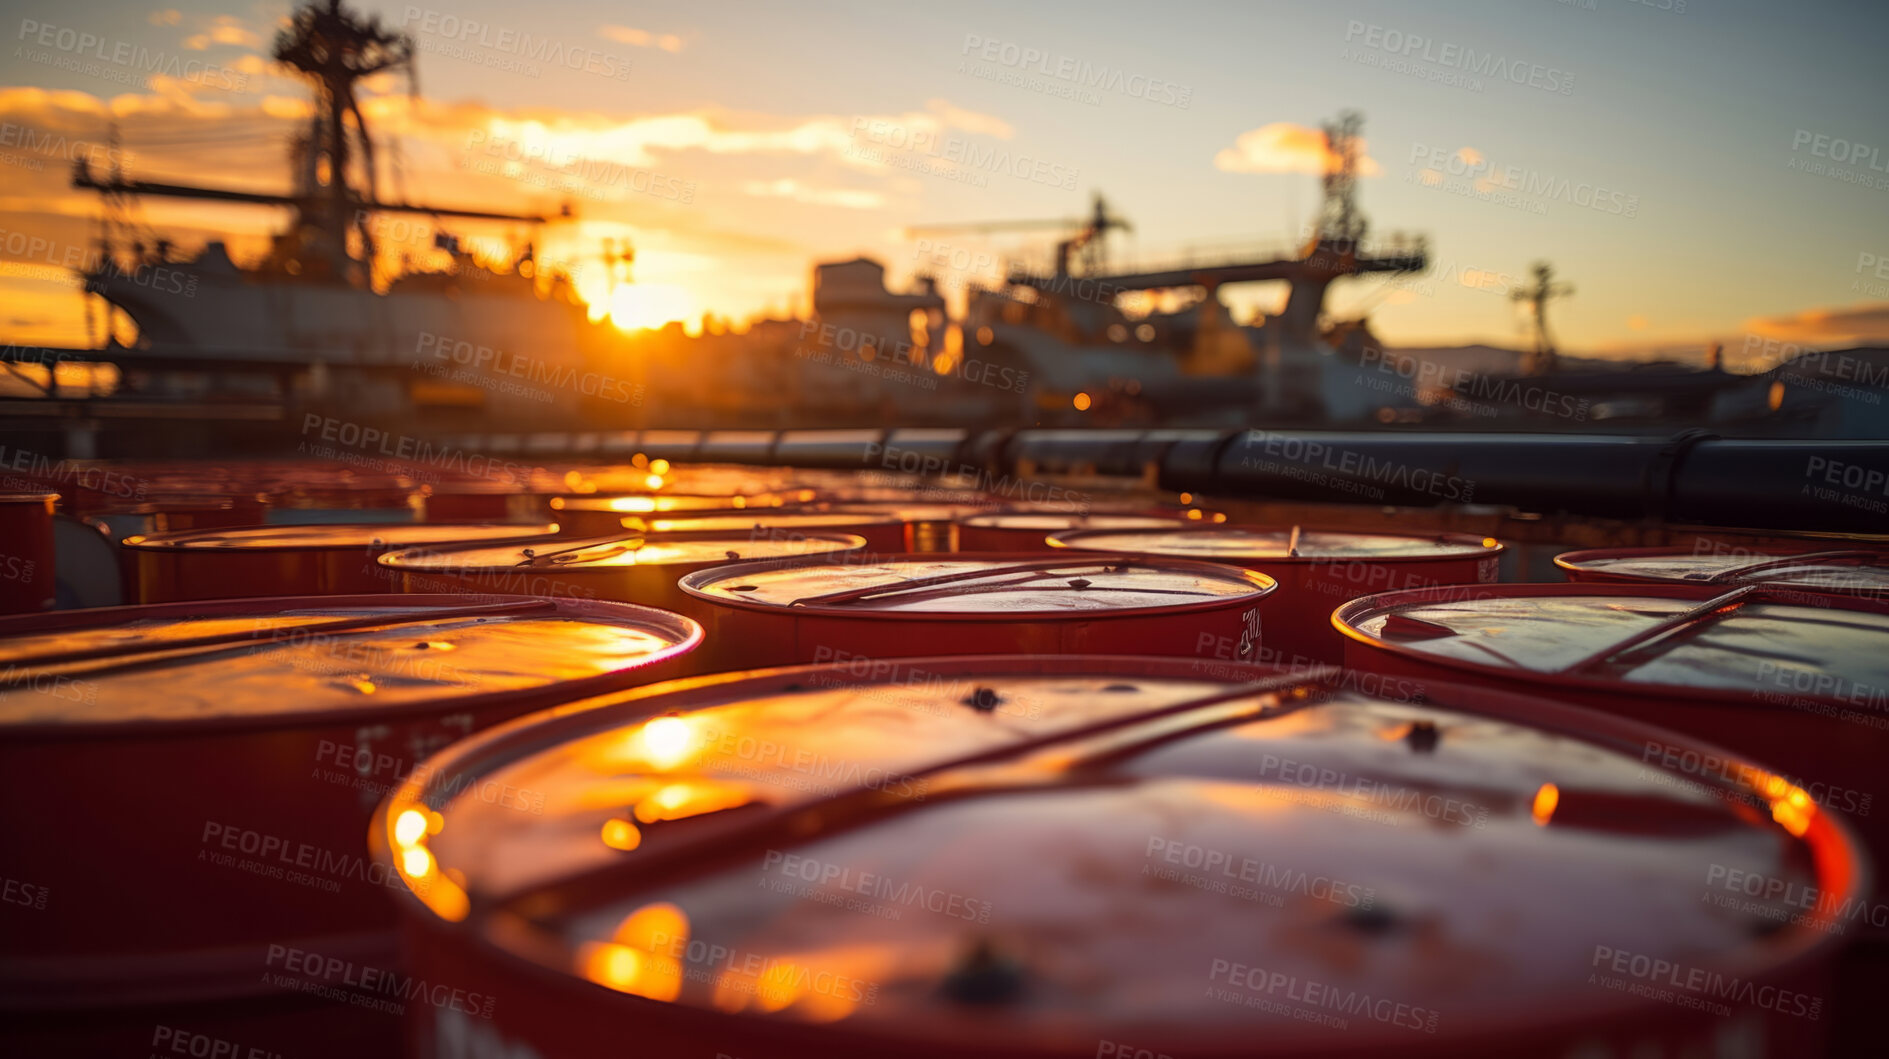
[
  {"x": 1542, "y": 360},
  {"x": 334, "y": 48},
  {"x": 1339, "y": 219}
]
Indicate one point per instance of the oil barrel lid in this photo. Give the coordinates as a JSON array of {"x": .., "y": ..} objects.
[
  {"x": 1049, "y": 522},
  {"x": 608, "y": 553},
  {"x": 1862, "y": 571},
  {"x": 1736, "y": 641},
  {"x": 763, "y": 521},
  {"x": 904, "y": 495},
  {"x": 992, "y": 585},
  {"x": 658, "y": 476},
  {"x": 648, "y": 503},
  {"x": 264, "y": 660},
  {"x": 339, "y": 535},
  {"x": 1280, "y": 545},
  {"x": 917, "y": 511},
  {"x": 1118, "y": 844}
]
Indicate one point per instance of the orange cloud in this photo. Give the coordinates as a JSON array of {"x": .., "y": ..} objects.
[
  {"x": 798, "y": 192},
  {"x": 224, "y": 29},
  {"x": 1284, "y": 147},
  {"x": 640, "y": 38},
  {"x": 1826, "y": 326}
]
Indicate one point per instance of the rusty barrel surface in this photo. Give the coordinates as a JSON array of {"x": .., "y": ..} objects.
[
  {"x": 29, "y": 574},
  {"x": 1316, "y": 569},
  {"x": 187, "y": 784},
  {"x": 292, "y": 560},
  {"x": 793, "y": 611},
  {"x": 1078, "y": 856}
]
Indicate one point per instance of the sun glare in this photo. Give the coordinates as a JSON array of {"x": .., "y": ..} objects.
[{"x": 645, "y": 305}]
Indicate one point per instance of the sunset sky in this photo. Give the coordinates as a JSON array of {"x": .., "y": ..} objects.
[{"x": 1675, "y": 165}]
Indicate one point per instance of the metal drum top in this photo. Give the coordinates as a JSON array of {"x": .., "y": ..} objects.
[
  {"x": 286, "y": 660},
  {"x": 1240, "y": 543},
  {"x": 1713, "y": 642},
  {"x": 763, "y": 523},
  {"x": 612, "y": 553},
  {"x": 355, "y": 535},
  {"x": 658, "y": 503},
  {"x": 1856, "y": 571},
  {"x": 1026, "y": 854},
  {"x": 918, "y": 511},
  {"x": 1051, "y": 523},
  {"x": 990, "y": 585}
]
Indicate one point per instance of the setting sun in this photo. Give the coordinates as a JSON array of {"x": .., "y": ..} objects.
[{"x": 649, "y": 305}]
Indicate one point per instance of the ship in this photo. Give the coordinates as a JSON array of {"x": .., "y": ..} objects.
[
  {"x": 310, "y": 322},
  {"x": 323, "y": 322},
  {"x": 1055, "y": 345}
]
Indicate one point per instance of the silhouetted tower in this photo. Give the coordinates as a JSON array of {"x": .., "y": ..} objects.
[
  {"x": 1091, "y": 241},
  {"x": 1339, "y": 219},
  {"x": 335, "y": 48},
  {"x": 1542, "y": 359}
]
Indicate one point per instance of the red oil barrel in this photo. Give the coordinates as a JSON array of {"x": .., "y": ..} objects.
[
  {"x": 1804, "y": 686},
  {"x": 1316, "y": 570},
  {"x": 1026, "y": 531},
  {"x": 603, "y": 515},
  {"x": 881, "y": 533},
  {"x": 186, "y": 789},
  {"x": 292, "y": 560},
  {"x": 29, "y": 574},
  {"x": 1070, "y": 857},
  {"x": 928, "y": 527},
  {"x": 1802, "y": 568},
  {"x": 793, "y": 611},
  {"x": 478, "y": 501},
  {"x": 91, "y": 567},
  {"x": 629, "y": 569},
  {"x": 176, "y": 514},
  {"x": 303, "y": 495}
]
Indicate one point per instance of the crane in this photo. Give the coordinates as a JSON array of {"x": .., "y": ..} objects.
[{"x": 1087, "y": 234}]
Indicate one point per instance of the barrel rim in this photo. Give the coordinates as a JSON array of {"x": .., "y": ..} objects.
[
  {"x": 689, "y": 584},
  {"x": 506, "y": 939},
  {"x": 178, "y": 541},
  {"x": 1479, "y": 550},
  {"x": 790, "y": 511},
  {"x": 1572, "y": 562},
  {"x": 1344, "y": 617},
  {"x": 562, "y": 501},
  {"x": 984, "y": 520},
  {"x": 687, "y": 633},
  {"x": 407, "y": 559}
]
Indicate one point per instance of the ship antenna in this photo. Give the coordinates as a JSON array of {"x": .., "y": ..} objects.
[
  {"x": 335, "y": 48},
  {"x": 1339, "y": 218},
  {"x": 1542, "y": 359}
]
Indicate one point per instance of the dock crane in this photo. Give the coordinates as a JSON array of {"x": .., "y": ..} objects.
[{"x": 1088, "y": 236}]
